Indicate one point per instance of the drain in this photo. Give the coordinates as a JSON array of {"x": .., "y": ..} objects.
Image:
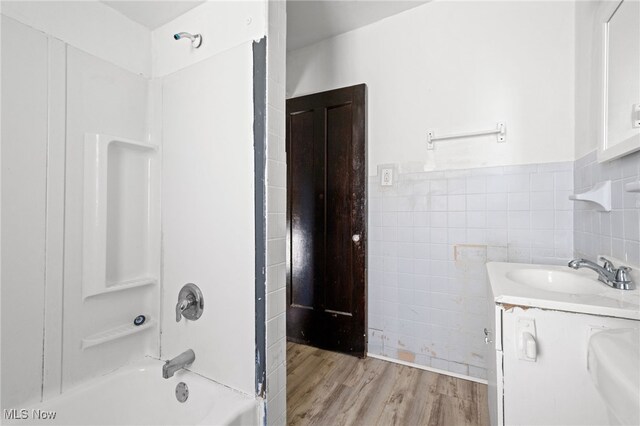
[{"x": 182, "y": 392}]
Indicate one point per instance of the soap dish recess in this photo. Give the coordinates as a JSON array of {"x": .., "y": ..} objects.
[
  {"x": 600, "y": 195},
  {"x": 116, "y": 333}
]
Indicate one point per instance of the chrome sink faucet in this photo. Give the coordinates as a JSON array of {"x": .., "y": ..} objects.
[
  {"x": 618, "y": 278},
  {"x": 183, "y": 360}
]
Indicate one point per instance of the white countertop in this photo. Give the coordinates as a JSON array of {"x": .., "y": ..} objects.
[{"x": 608, "y": 302}]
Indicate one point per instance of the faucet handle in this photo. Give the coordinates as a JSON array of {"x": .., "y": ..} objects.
[
  {"x": 607, "y": 264},
  {"x": 190, "y": 303},
  {"x": 181, "y": 306},
  {"x": 622, "y": 274}
]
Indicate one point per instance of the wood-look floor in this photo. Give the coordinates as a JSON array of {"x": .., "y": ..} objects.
[{"x": 327, "y": 388}]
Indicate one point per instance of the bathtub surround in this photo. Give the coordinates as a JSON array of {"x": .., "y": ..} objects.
[
  {"x": 77, "y": 93},
  {"x": 196, "y": 108},
  {"x": 616, "y": 233},
  {"x": 24, "y": 187},
  {"x": 90, "y": 26},
  {"x": 430, "y": 237}
]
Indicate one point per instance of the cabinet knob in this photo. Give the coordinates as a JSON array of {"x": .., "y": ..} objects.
[{"x": 355, "y": 238}]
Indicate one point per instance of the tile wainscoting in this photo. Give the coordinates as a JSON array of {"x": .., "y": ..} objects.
[
  {"x": 430, "y": 236},
  {"x": 615, "y": 233}
]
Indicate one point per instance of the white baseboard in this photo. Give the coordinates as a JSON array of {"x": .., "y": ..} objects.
[{"x": 433, "y": 370}]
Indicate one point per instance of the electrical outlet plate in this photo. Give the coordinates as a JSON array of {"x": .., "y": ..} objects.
[
  {"x": 386, "y": 177},
  {"x": 636, "y": 116}
]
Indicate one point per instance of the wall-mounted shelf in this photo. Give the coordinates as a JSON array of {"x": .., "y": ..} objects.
[
  {"x": 125, "y": 285},
  {"x": 116, "y": 333},
  {"x": 500, "y": 131},
  {"x": 600, "y": 195},
  {"x": 632, "y": 186}
]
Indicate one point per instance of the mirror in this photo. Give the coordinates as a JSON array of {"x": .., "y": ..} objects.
[{"x": 620, "y": 133}]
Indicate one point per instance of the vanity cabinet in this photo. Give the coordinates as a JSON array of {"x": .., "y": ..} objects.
[{"x": 538, "y": 372}]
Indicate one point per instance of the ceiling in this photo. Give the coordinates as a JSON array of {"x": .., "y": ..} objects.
[
  {"x": 309, "y": 21},
  {"x": 152, "y": 13}
]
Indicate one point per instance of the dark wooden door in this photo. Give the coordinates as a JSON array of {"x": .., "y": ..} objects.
[{"x": 326, "y": 220}]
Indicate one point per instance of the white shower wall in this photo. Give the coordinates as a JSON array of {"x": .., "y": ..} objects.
[
  {"x": 105, "y": 99},
  {"x": 88, "y": 69},
  {"x": 24, "y": 186},
  {"x": 208, "y": 214},
  {"x": 203, "y": 115},
  {"x": 65, "y": 93}
]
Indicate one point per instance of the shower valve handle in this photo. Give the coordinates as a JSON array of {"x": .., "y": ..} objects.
[
  {"x": 182, "y": 306},
  {"x": 190, "y": 303}
]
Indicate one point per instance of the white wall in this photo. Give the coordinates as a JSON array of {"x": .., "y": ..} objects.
[
  {"x": 208, "y": 214},
  {"x": 24, "y": 146},
  {"x": 452, "y": 67},
  {"x": 90, "y": 26},
  {"x": 222, "y": 24}
]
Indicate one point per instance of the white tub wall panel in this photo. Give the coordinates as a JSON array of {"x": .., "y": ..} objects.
[
  {"x": 154, "y": 113},
  {"x": 208, "y": 214},
  {"x": 57, "y": 94},
  {"x": 276, "y": 208},
  {"x": 90, "y": 26},
  {"x": 24, "y": 180},
  {"x": 101, "y": 98},
  {"x": 223, "y": 25}
]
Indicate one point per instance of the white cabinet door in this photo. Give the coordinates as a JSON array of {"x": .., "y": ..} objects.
[{"x": 555, "y": 389}]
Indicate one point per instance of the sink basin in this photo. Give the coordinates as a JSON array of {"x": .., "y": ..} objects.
[
  {"x": 560, "y": 288},
  {"x": 613, "y": 365},
  {"x": 557, "y": 281}
]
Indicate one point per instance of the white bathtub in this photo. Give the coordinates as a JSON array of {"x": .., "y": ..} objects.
[{"x": 138, "y": 395}]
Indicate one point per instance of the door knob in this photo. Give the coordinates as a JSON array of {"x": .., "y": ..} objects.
[{"x": 355, "y": 238}]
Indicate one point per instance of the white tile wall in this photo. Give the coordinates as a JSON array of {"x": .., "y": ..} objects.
[
  {"x": 276, "y": 209},
  {"x": 612, "y": 233},
  {"x": 430, "y": 237}
]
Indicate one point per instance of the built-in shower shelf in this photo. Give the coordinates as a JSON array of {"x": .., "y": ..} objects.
[
  {"x": 125, "y": 285},
  {"x": 118, "y": 214},
  {"x": 116, "y": 333},
  {"x": 632, "y": 186}
]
